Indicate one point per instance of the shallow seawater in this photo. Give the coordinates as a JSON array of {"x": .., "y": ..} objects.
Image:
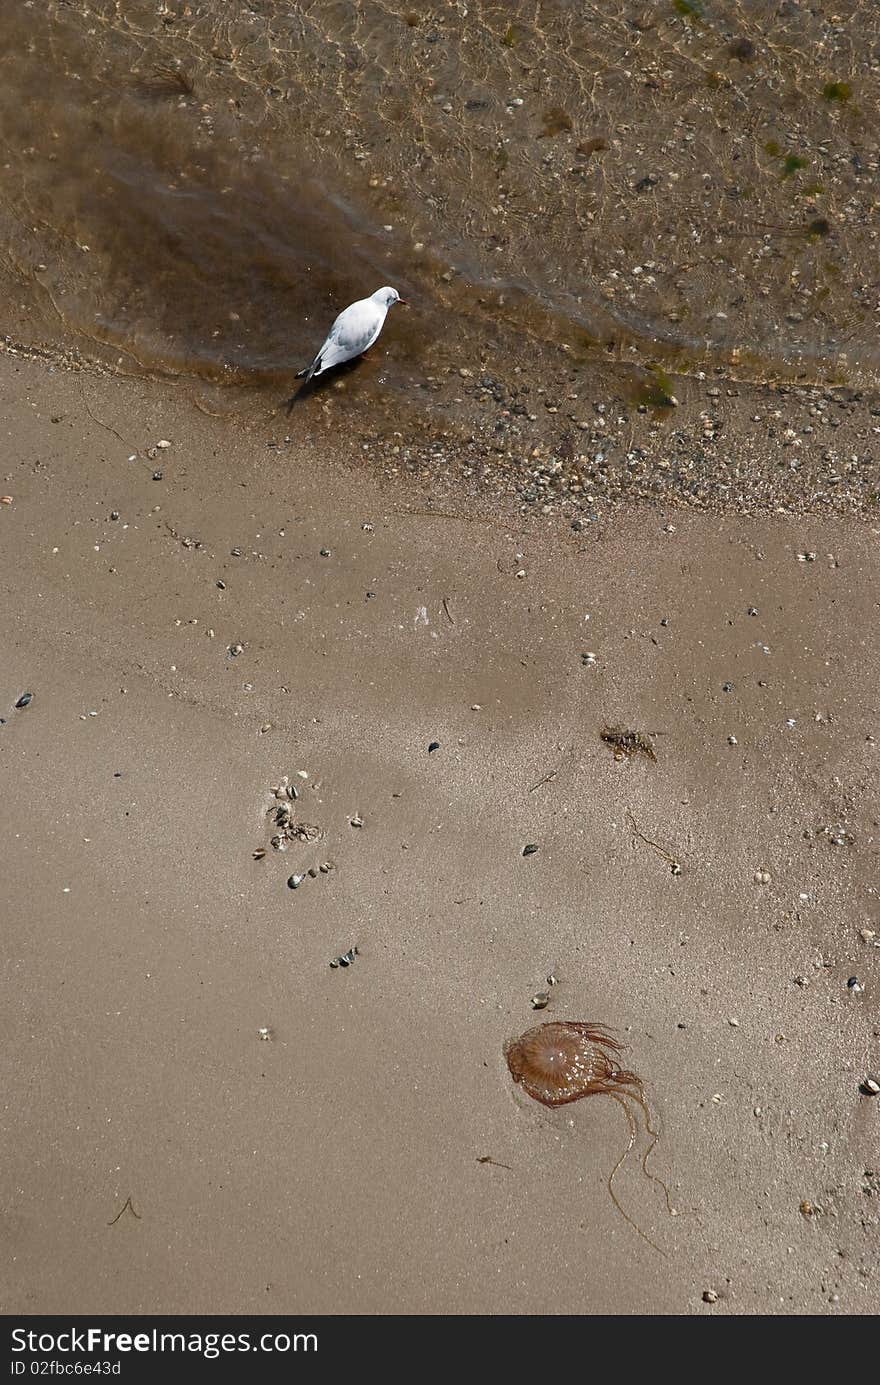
[{"x": 195, "y": 189}]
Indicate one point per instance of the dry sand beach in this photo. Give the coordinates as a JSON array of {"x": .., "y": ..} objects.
[{"x": 616, "y": 474}]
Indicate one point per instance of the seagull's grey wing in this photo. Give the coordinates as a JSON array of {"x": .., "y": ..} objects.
[
  {"x": 350, "y": 334},
  {"x": 355, "y": 329}
]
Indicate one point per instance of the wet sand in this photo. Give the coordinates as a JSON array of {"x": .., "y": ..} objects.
[{"x": 334, "y": 1167}]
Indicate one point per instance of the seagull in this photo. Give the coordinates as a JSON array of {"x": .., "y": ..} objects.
[{"x": 353, "y": 332}]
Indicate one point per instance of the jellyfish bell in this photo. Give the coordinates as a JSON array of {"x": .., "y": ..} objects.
[{"x": 565, "y": 1060}]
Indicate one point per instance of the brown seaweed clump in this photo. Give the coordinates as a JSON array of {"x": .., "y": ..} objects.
[
  {"x": 568, "y": 1059},
  {"x": 626, "y": 744}
]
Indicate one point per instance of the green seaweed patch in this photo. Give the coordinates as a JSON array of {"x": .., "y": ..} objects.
[
  {"x": 773, "y": 149},
  {"x": 791, "y": 164},
  {"x": 837, "y": 91},
  {"x": 689, "y": 9},
  {"x": 656, "y": 392},
  {"x": 510, "y": 37}
]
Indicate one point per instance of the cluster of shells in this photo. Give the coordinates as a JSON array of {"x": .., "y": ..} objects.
[{"x": 287, "y": 828}]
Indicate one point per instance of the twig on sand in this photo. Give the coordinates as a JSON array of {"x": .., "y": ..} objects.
[
  {"x": 127, "y": 1206},
  {"x": 548, "y": 779},
  {"x": 661, "y": 851},
  {"x": 445, "y": 605},
  {"x": 100, "y": 422},
  {"x": 487, "y": 1159}
]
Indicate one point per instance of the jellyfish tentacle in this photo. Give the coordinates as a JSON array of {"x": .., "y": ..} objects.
[
  {"x": 655, "y": 1136},
  {"x": 619, "y": 1098}
]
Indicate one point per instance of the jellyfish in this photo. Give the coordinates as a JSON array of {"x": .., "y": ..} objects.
[{"x": 568, "y": 1059}]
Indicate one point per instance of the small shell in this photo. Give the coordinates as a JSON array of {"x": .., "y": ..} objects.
[
  {"x": 259, "y": 853},
  {"x": 540, "y": 1001}
]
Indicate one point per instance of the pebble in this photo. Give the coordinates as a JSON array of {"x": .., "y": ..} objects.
[
  {"x": 867, "y": 935},
  {"x": 294, "y": 881},
  {"x": 259, "y": 853},
  {"x": 346, "y": 958},
  {"x": 871, "y": 1086},
  {"x": 855, "y": 985},
  {"x": 265, "y": 1033},
  {"x": 25, "y": 700},
  {"x": 5, "y": 499},
  {"x": 731, "y": 740},
  {"x": 761, "y": 877},
  {"x": 540, "y": 1001},
  {"x": 356, "y": 821},
  {"x": 236, "y": 649},
  {"x": 710, "y": 1296},
  {"x": 435, "y": 745},
  {"x": 530, "y": 849}
]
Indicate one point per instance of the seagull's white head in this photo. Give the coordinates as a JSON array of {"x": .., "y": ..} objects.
[{"x": 387, "y": 296}]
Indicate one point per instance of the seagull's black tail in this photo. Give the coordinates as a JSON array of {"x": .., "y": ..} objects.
[{"x": 310, "y": 370}]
